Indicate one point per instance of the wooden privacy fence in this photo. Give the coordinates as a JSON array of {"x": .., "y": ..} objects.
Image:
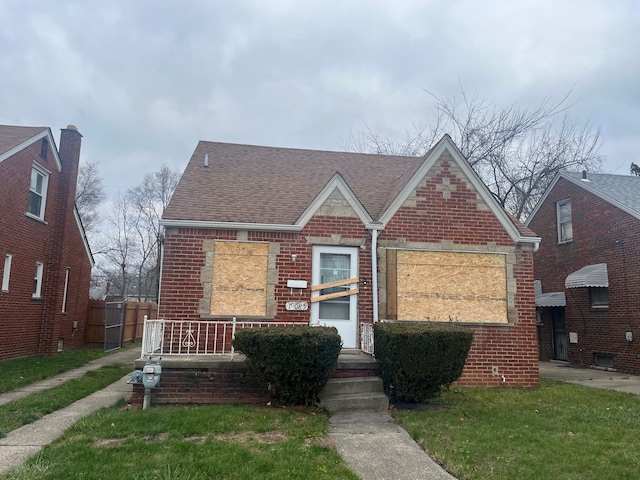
[{"x": 133, "y": 321}]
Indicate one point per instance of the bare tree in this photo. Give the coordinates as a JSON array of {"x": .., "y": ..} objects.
[
  {"x": 635, "y": 169},
  {"x": 89, "y": 195},
  {"x": 117, "y": 247},
  {"x": 516, "y": 151},
  {"x": 150, "y": 198},
  {"x": 130, "y": 246}
]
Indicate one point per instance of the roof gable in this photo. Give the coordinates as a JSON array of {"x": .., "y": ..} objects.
[
  {"x": 517, "y": 231},
  {"x": 622, "y": 191},
  {"x": 15, "y": 138},
  {"x": 335, "y": 185}
]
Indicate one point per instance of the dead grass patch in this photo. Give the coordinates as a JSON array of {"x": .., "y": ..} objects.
[
  {"x": 108, "y": 442},
  {"x": 199, "y": 440},
  {"x": 158, "y": 437},
  {"x": 247, "y": 437},
  {"x": 320, "y": 442}
]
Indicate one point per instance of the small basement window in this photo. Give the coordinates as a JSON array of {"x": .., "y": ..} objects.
[
  {"x": 599, "y": 297},
  {"x": 605, "y": 361}
]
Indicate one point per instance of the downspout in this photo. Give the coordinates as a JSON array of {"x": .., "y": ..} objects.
[
  {"x": 374, "y": 227},
  {"x": 160, "y": 263}
]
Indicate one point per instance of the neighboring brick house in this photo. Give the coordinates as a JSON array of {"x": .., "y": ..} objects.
[
  {"x": 587, "y": 270},
  {"x": 46, "y": 261},
  {"x": 287, "y": 235}
]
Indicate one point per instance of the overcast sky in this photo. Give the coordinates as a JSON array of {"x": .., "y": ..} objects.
[{"x": 145, "y": 80}]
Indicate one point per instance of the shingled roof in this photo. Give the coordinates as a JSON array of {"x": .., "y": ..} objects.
[
  {"x": 269, "y": 185},
  {"x": 623, "y": 191},
  {"x": 11, "y": 136},
  {"x": 227, "y": 183}
]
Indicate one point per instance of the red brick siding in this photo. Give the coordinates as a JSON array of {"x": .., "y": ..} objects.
[
  {"x": 34, "y": 326},
  {"x": 184, "y": 259},
  {"x": 205, "y": 386},
  {"x": 602, "y": 233},
  {"x": 435, "y": 218}
]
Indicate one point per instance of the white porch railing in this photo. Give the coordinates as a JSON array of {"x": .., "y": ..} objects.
[
  {"x": 366, "y": 337},
  {"x": 196, "y": 337}
]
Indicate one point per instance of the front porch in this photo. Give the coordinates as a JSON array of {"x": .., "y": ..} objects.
[
  {"x": 213, "y": 379},
  {"x": 188, "y": 338}
]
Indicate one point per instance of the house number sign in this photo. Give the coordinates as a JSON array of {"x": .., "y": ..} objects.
[{"x": 297, "y": 306}]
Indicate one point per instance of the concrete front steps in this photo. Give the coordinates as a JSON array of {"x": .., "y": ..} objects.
[{"x": 355, "y": 385}]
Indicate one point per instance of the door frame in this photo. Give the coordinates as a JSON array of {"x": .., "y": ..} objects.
[{"x": 348, "y": 328}]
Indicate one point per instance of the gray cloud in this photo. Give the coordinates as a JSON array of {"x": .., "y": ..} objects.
[{"x": 144, "y": 81}]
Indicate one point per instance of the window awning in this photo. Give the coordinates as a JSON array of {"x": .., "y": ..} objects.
[
  {"x": 551, "y": 299},
  {"x": 589, "y": 276}
]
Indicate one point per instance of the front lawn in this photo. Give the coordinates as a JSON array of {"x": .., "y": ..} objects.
[
  {"x": 217, "y": 441},
  {"x": 24, "y": 371},
  {"x": 26, "y": 410},
  {"x": 556, "y": 431}
]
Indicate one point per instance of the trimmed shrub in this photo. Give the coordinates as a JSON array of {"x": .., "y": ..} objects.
[
  {"x": 295, "y": 361},
  {"x": 418, "y": 359}
]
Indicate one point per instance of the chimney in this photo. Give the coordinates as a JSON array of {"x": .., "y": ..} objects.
[
  {"x": 584, "y": 176},
  {"x": 69, "y": 152}
]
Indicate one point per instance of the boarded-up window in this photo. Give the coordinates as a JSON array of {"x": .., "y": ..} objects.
[
  {"x": 443, "y": 286},
  {"x": 239, "y": 278}
]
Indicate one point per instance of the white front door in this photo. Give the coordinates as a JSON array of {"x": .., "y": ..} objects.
[{"x": 336, "y": 265}]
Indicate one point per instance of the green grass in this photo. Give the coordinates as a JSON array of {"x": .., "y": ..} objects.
[
  {"x": 217, "y": 441},
  {"x": 29, "y": 409},
  {"x": 558, "y": 431},
  {"x": 24, "y": 371}
]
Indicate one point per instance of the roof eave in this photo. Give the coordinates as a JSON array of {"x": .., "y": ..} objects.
[{"x": 213, "y": 225}]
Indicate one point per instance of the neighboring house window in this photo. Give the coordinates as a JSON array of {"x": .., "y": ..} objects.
[
  {"x": 599, "y": 297},
  {"x": 565, "y": 227},
  {"x": 7, "y": 272},
  {"x": 38, "y": 192},
  {"x": 37, "y": 281},
  {"x": 66, "y": 287}
]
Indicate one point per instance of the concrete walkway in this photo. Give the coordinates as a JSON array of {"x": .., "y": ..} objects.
[
  {"x": 28, "y": 440},
  {"x": 376, "y": 448},
  {"x": 590, "y": 377}
]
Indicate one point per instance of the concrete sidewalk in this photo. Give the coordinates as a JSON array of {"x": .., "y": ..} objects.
[
  {"x": 123, "y": 357},
  {"x": 590, "y": 377},
  {"x": 28, "y": 440}
]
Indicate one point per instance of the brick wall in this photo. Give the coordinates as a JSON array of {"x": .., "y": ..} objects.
[
  {"x": 34, "y": 326},
  {"x": 602, "y": 233},
  {"x": 210, "y": 383}
]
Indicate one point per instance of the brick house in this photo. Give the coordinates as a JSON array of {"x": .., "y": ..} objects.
[
  {"x": 587, "y": 270},
  {"x": 46, "y": 260},
  {"x": 348, "y": 239}
]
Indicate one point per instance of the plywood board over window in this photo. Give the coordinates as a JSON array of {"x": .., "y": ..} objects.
[
  {"x": 239, "y": 279},
  {"x": 443, "y": 286}
]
